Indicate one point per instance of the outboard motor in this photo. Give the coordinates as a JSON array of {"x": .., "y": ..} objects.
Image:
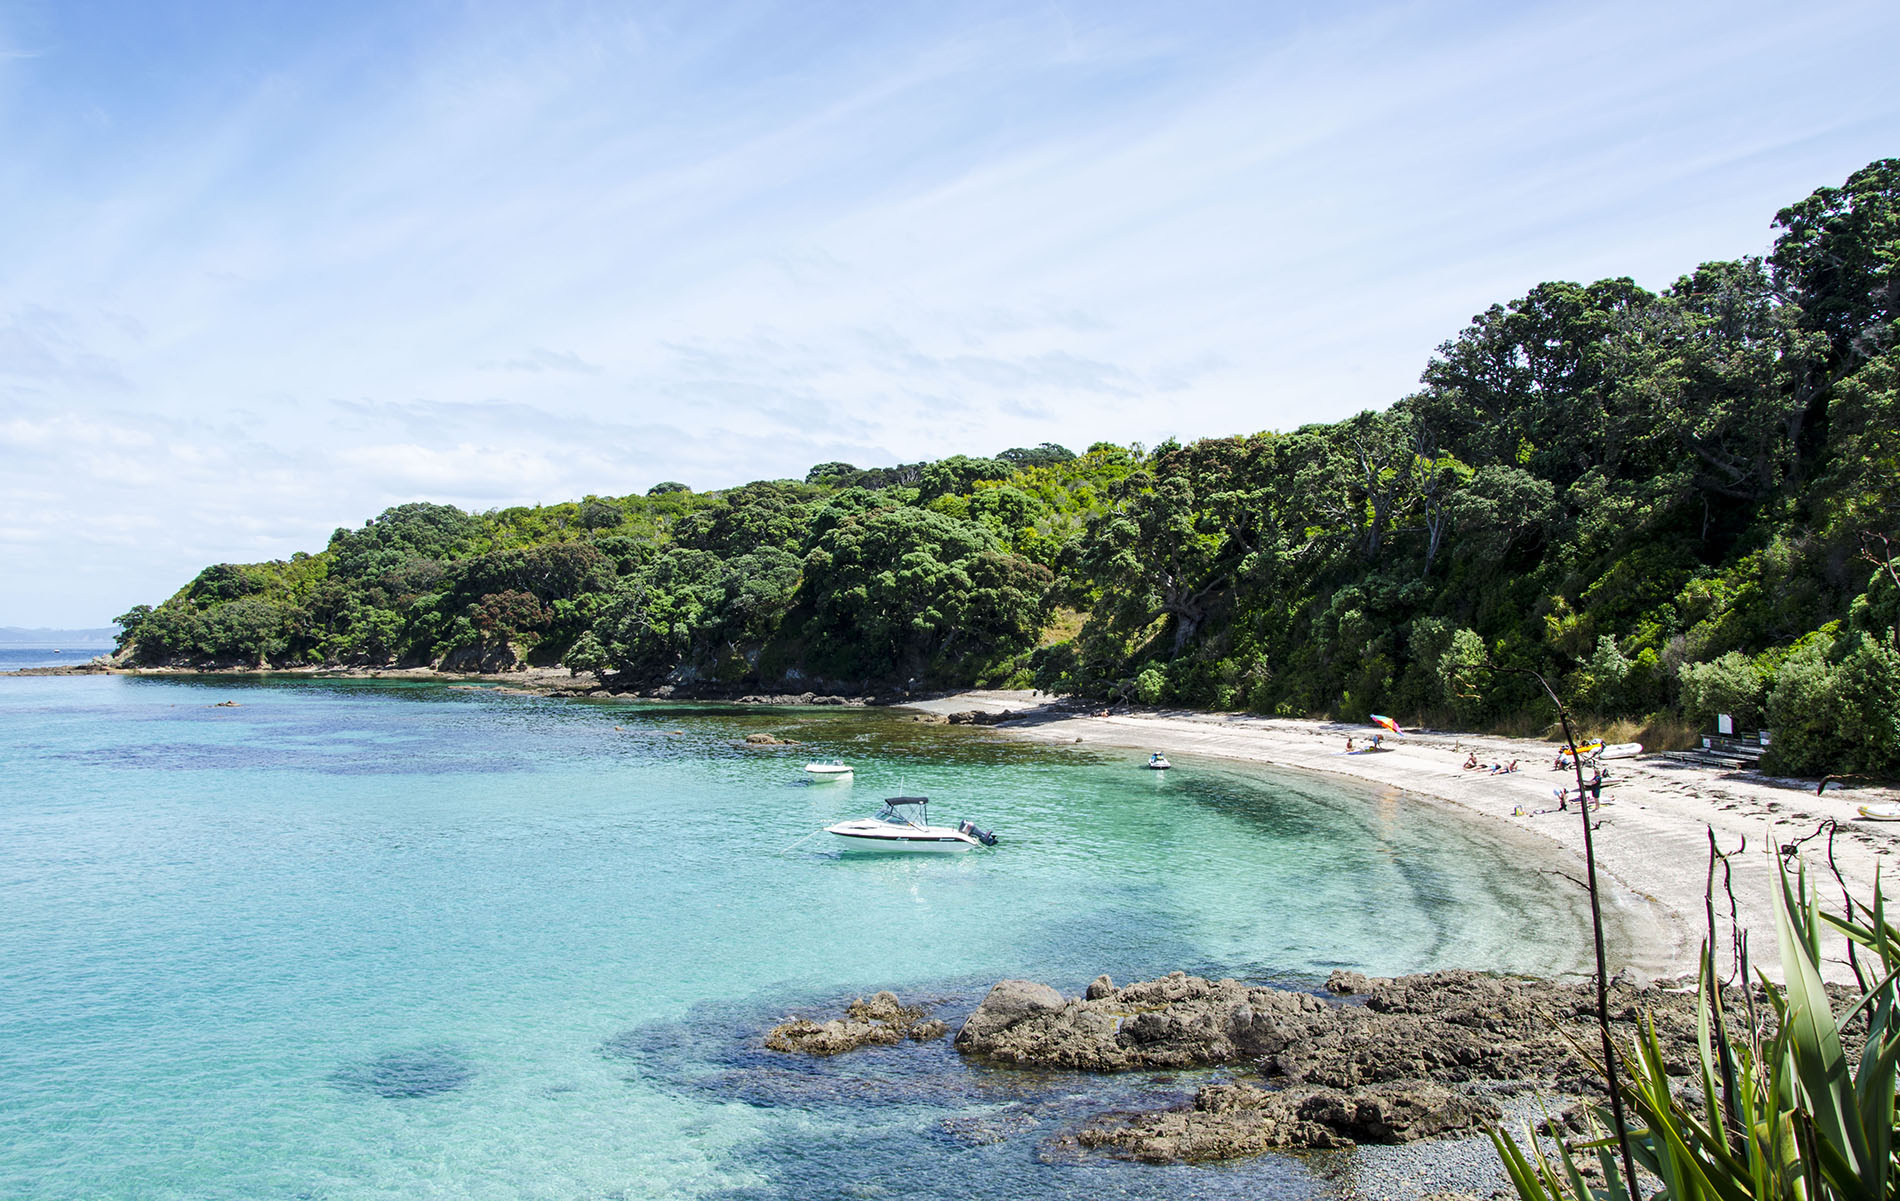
[{"x": 983, "y": 836}]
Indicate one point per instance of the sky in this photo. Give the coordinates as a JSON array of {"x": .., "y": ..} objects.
[{"x": 267, "y": 269}]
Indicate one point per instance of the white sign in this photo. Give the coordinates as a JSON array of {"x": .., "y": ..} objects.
[{"x": 1724, "y": 724}]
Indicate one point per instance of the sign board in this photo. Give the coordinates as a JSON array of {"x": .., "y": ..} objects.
[{"x": 1724, "y": 724}]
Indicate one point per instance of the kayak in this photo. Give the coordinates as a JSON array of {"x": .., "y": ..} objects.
[{"x": 1614, "y": 750}]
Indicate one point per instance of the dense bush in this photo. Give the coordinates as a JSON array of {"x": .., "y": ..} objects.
[{"x": 1668, "y": 501}]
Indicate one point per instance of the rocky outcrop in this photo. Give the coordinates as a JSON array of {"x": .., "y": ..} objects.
[
  {"x": 1448, "y": 1027},
  {"x": 882, "y": 1021},
  {"x": 979, "y": 717},
  {"x": 1175, "y": 1022},
  {"x": 1406, "y": 1058},
  {"x": 1230, "y": 1120},
  {"x": 769, "y": 740}
]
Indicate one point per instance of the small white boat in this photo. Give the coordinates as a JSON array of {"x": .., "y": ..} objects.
[
  {"x": 904, "y": 825},
  {"x": 1880, "y": 813},
  {"x": 1159, "y": 762},
  {"x": 829, "y": 771}
]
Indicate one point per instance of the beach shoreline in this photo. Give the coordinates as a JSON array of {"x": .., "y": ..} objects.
[{"x": 1651, "y": 840}]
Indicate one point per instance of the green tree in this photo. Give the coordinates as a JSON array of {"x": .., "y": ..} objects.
[
  {"x": 1731, "y": 684},
  {"x": 901, "y": 591}
]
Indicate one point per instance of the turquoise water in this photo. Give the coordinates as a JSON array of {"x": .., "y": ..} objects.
[{"x": 355, "y": 940}]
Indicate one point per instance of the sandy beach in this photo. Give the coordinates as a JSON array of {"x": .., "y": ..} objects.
[{"x": 1652, "y": 843}]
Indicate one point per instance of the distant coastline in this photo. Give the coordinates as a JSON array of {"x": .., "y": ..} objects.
[{"x": 37, "y": 637}]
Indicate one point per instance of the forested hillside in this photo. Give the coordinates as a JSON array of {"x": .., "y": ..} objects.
[{"x": 1672, "y": 504}]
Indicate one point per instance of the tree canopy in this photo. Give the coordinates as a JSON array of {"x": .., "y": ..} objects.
[{"x": 1679, "y": 502}]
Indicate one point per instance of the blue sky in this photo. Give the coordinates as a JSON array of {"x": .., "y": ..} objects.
[{"x": 266, "y": 269}]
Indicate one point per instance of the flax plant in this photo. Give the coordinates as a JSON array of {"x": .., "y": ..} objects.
[{"x": 1787, "y": 1114}]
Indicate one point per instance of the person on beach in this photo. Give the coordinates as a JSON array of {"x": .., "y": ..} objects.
[
  {"x": 1349, "y": 744},
  {"x": 1471, "y": 761}
]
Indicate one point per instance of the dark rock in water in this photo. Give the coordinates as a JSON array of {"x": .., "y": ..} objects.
[
  {"x": 424, "y": 1072},
  {"x": 1230, "y": 1120},
  {"x": 715, "y": 1052},
  {"x": 881, "y": 1021}
]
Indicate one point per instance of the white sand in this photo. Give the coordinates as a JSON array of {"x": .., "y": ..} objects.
[{"x": 1652, "y": 844}]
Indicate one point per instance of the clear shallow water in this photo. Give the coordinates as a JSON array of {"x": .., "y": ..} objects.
[{"x": 358, "y": 940}]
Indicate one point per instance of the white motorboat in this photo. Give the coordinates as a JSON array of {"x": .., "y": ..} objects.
[
  {"x": 904, "y": 825},
  {"x": 829, "y": 771},
  {"x": 1158, "y": 762}
]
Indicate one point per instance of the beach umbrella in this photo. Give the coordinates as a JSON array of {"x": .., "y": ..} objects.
[{"x": 1388, "y": 723}]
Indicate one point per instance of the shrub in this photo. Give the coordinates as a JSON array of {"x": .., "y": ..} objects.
[
  {"x": 1731, "y": 684},
  {"x": 1150, "y": 685}
]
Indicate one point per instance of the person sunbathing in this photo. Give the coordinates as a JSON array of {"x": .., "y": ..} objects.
[{"x": 1471, "y": 763}]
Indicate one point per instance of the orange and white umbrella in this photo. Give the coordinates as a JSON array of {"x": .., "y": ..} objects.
[{"x": 1388, "y": 723}]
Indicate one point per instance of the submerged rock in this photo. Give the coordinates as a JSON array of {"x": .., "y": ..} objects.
[
  {"x": 769, "y": 740},
  {"x": 881, "y": 1021},
  {"x": 423, "y": 1072}
]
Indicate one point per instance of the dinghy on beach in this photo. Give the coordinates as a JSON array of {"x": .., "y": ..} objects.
[{"x": 1880, "y": 813}]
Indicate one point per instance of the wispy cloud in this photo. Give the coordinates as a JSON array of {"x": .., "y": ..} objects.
[
  {"x": 539, "y": 359},
  {"x": 340, "y": 259}
]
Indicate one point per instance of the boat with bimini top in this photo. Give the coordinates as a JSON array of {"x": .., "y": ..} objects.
[{"x": 904, "y": 825}]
